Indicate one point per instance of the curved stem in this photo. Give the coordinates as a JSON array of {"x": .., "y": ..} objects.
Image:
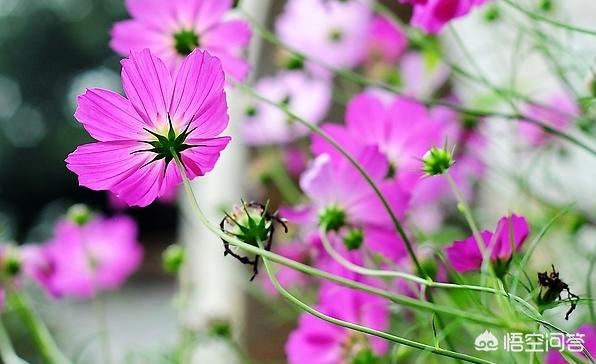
[
  {"x": 41, "y": 335},
  {"x": 7, "y": 353},
  {"x": 548, "y": 20},
  {"x": 429, "y": 283},
  {"x": 398, "y": 299},
  {"x": 396, "y": 339},
  {"x": 315, "y": 129}
]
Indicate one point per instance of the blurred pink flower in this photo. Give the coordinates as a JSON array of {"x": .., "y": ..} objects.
[
  {"x": 137, "y": 138},
  {"x": 318, "y": 342},
  {"x": 589, "y": 336},
  {"x": 341, "y": 198},
  {"x": 558, "y": 113},
  {"x": 509, "y": 236},
  {"x": 83, "y": 260},
  {"x": 386, "y": 41},
  {"x": 168, "y": 197},
  {"x": 433, "y": 15},
  {"x": 307, "y": 97},
  {"x": 173, "y": 29},
  {"x": 333, "y": 32},
  {"x": 295, "y": 159}
]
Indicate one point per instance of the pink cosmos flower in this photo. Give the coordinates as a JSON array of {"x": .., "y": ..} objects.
[
  {"x": 82, "y": 260},
  {"x": 509, "y": 236},
  {"x": 307, "y": 97},
  {"x": 172, "y": 29},
  {"x": 386, "y": 41},
  {"x": 342, "y": 200},
  {"x": 559, "y": 113},
  {"x": 163, "y": 118},
  {"x": 330, "y": 31},
  {"x": 403, "y": 131},
  {"x": 589, "y": 337},
  {"x": 318, "y": 342},
  {"x": 433, "y": 15},
  {"x": 169, "y": 197}
]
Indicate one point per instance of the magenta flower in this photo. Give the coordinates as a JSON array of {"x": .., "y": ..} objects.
[
  {"x": 307, "y": 97},
  {"x": 163, "y": 118},
  {"x": 403, "y": 131},
  {"x": 318, "y": 342},
  {"x": 386, "y": 41},
  {"x": 558, "y": 113},
  {"x": 433, "y": 15},
  {"x": 173, "y": 29},
  {"x": 82, "y": 260},
  {"x": 509, "y": 236},
  {"x": 330, "y": 31},
  {"x": 589, "y": 338}
]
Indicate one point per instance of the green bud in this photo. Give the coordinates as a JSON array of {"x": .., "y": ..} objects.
[
  {"x": 353, "y": 239},
  {"x": 250, "y": 223},
  {"x": 492, "y": 13},
  {"x": 545, "y": 5},
  {"x": 220, "y": 328},
  {"x": 11, "y": 264},
  {"x": 332, "y": 218},
  {"x": 295, "y": 62},
  {"x": 172, "y": 258},
  {"x": 185, "y": 41},
  {"x": 437, "y": 161},
  {"x": 80, "y": 214}
]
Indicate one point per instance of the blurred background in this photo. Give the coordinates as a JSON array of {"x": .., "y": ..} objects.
[{"x": 50, "y": 51}]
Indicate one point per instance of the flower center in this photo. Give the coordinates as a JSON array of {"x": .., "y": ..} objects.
[
  {"x": 185, "y": 41},
  {"x": 336, "y": 35},
  {"x": 353, "y": 239},
  {"x": 332, "y": 218},
  {"x": 167, "y": 146}
]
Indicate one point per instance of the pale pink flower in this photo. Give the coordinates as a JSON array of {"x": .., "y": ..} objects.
[
  {"x": 329, "y": 31},
  {"x": 307, "y": 97},
  {"x": 318, "y": 342},
  {"x": 172, "y": 29},
  {"x": 162, "y": 118}
]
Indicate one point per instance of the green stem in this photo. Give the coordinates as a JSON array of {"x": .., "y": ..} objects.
[
  {"x": 427, "y": 282},
  {"x": 41, "y": 335},
  {"x": 103, "y": 328},
  {"x": 315, "y": 129},
  {"x": 589, "y": 287},
  {"x": 398, "y": 299},
  {"x": 7, "y": 352},
  {"x": 284, "y": 183},
  {"x": 396, "y": 339},
  {"x": 548, "y": 20}
]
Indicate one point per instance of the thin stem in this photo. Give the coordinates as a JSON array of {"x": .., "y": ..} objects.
[
  {"x": 315, "y": 129},
  {"x": 548, "y": 20},
  {"x": 396, "y": 339},
  {"x": 103, "y": 328},
  {"x": 589, "y": 287},
  {"x": 429, "y": 283},
  {"x": 398, "y": 299},
  {"x": 7, "y": 352},
  {"x": 41, "y": 335}
]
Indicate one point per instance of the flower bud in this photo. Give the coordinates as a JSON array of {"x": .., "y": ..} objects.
[
  {"x": 173, "y": 258},
  {"x": 353, "y": 239},
  {"x": 220, "y": 328},
  {"x": 437, "y": 161},
  {"x": 332, "y": 218},
  {"x": 250, "y": 223},
  {"x": 492, "y": 13},
  {"x": 80, "y": 214}
]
